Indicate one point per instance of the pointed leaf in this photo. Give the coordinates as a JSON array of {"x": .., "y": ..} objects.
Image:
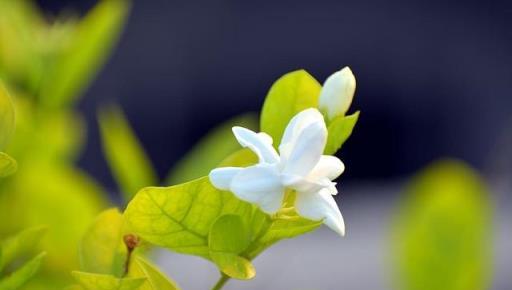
[
  {"x": 210, "y": 150},
  {"x": 289, "y": 95},
  {"x": 340, "y": 130},
  {"x": 102, "y": 250},
  {"x": 229, "y": 237},
  {"x": 19, "y": 277},
  {"x": 128, "y": 161},
  {"x": 7, "y": 165},
  {"x": 89, "y": 47},
  {"x": 155, "y": 280},
  {"x": 92, "y": 281},
  {"x": 20, "y": 244},
  {"x": 442, "y": 230}
]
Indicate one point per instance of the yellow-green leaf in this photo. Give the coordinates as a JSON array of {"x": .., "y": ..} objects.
[
  {"x": 7, "y": 165},
  {"x": 92, "y": 281},
  {"x": 102, "y": 250},
  {"x": 180, "y": 217},
  {"x": 88, "y": 49},
  {"x": 289, "y": 95},
  {"x": 241, "y": 158},
  {"x": 155, "y": 280},
  {"x": 229, "y": 237},
  {"x": 20, "y": 244},
  {"x": 234, "y": 265},
  {"x": 19, "y": 277},
  {"x": 442, "y": 231},
  {"x": 6, "y": 116},
  {"x": 340, "y": 130},
  {"x": 128, "y": 161},
  {"x": 210, "y": 150}
]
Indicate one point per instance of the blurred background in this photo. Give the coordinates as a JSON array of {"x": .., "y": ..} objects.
[
  {"x": 434, "y": 77},
  {"x": 434, "y": 80}
]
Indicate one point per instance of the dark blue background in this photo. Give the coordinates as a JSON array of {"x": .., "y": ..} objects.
[{"x": 434, "y": 78}]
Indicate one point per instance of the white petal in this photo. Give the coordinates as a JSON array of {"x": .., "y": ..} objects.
[
  {"x": 296, "y": 126},
  {"x": 306, "y": 151},
  {"x": 266, "y": 137},
  {"x": 337, "y": 93},
  {"x": 328, "y": 166},
  {"x": 301, "y": 184},
  {"x": 258, "y": 143},
  {"x": 321, "y": 206},
  {"x": 221, "y": 177},
  {"x": 259, "y": 184}
]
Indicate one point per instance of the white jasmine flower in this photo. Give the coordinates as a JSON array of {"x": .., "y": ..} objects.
[
  {"x": 337, "y": 93},
  {"x": 300, "y": 166}
]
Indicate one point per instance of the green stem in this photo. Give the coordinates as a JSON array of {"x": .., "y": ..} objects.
[{"x": 222, "y": 280}]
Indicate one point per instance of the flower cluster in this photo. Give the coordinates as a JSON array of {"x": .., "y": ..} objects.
[{"x": 299, "y": 165}]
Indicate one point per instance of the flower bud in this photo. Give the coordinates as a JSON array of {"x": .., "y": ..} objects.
[{"x": 337, "y": 93}]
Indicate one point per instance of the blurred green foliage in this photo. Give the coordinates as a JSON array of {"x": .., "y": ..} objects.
[
  {"x": 128, "y": 161},
  {"x": 46, "y": 65},
  {"x": 13, "y": 251},
  {"x": 443, "y": 229},
  {"x": 210, "y": 150}
]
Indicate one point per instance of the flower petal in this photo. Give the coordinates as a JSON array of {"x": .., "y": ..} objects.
[
  {"x": 221, "y": 177},
  {"x": 337, "y": 93},
  {"x": 259, "y": 184},
  {"x": 305, "y": 185},
  {"x": 318, "y": 206},
  {"x": 306, "y": 151},
  {"x": 328, "y": 166},
  {"x": 258, "y": 143},
  {"x": 296, "y": 126}
]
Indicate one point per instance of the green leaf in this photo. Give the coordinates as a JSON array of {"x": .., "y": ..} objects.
[
  {"x": 229, "y": 237},
  {"x": 210, "y": 150},
  {"x": 241, "y": 158},
  {"x": 180, "y": 217},
  {"x": 155, "y": 280},
  {"x": 58, "y": 196},
  {"x": 6, "y": 116},
  {"x": 234, "y": 265},
  {"x": 88, "y": 49},
  {"x": 19, "y": 277},
  {"x": 92, "y": 281},
  {"x": 124, "y": 153},
  {"x": 20, "y": 244},
  {"x": 340, "y": 130},
  {"x": 289, "y": 95},
  {"x": 229, "y": 234},
  {"x": 7, "y": 165},
  {"x": 443, "y": 230},
  {"x": 102, "y": 250}
]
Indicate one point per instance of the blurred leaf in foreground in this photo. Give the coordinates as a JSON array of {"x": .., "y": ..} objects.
[
  {"x": 20, "y": 245},
  {"x": 442, "y": 231},
  {"x": 129, "y": 163},
  {"x": 13, "y": 252},
  {"x": 6, "y": 116},
  {"x": 19, "y": 277},
  {"x": 210, "y": 150},
  {"x": 89, "y": 46}
]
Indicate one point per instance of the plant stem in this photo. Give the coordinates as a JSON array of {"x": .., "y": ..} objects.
[{"x": 222, "y": 280}]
